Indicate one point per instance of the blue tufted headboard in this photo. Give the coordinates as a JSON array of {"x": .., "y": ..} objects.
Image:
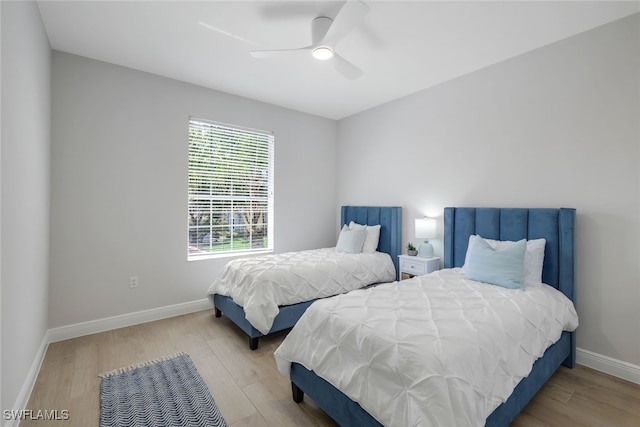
[
  {"x": 390, "y": 220},
  {"x": 554, "y": 225}
]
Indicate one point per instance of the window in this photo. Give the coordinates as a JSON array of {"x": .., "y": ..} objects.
[{"x": 230, "y": 189}]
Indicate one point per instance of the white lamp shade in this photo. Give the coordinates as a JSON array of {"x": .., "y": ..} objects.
[{"x": 425, "y": 228}]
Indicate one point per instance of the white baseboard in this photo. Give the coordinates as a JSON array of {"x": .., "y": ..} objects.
[
  {"x": 608, "y": 365},
  {"x": 30, "y": 381},
  {"x": 109, "y": 323}
]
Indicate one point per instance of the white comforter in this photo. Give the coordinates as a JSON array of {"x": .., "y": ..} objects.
[
  {"x": 436, "y": 350},
  {"x": 260, "y": 284}
]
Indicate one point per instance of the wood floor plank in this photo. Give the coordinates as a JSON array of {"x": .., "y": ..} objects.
[
  {"x": 86, "y": 363},
  {"x": 245, "y": 366},
  {"x": 272, "y": 399},
  {"x": 550, "y": 412},
  {"x": 251, "y": 421},
  {"x": 229, "y": 397},
  {"x": 315, "y": 413},
  {"x": 250, "y": 391}
]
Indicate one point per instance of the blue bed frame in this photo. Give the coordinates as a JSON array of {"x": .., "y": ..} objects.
[
  {"x": 554, "y": 225},
  {"x": 390, "y": 220}
]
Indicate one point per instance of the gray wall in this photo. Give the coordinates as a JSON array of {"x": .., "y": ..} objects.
[
  {"x": 26, "y": 111},
  {"x": 119, "y": 186},
  {"x": 556, "y": 127}
]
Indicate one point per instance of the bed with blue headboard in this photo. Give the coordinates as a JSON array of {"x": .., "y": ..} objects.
[
  {"x": 390, "y": 220},
  {"x": 556, "y": 226}
]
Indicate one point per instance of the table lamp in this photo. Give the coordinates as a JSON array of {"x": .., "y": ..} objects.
[{"x": 425, "y": 229}]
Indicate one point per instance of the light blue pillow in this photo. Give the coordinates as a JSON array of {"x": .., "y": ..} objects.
[
  {"x": 351, "y": 240},
  {"x": 503, "y": 267}
]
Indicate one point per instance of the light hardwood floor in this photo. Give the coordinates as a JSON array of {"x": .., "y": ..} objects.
[{"x": 249, "y": 390}]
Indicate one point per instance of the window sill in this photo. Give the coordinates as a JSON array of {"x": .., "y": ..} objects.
[{"x": 228, "y": 254}]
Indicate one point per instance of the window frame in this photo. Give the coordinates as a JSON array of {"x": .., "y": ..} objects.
[{"x": 232, "y": 202}]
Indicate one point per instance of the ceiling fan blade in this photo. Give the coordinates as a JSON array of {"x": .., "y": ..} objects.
[
  {"x": 227, "y": 33},
  {"x": 278, "y": 53},
  {"x": 319, "y": 28},
  {"x": 348, "y": 18},
  {"x": 346, "y": 68}
]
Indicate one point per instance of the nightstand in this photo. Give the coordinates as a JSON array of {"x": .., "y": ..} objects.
[{"x": 415, "y": 266}]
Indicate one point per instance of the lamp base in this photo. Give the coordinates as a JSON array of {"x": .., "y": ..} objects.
[{"x": 425, "y": 250}]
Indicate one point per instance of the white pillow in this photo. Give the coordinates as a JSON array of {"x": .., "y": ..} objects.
[
  {"x": 373, "y": 236},
  {"x": 533, "y": 257},
  {"x": 350, "y": 241}
]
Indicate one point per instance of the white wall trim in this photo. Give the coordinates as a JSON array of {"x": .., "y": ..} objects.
[
  {"x": 30, "y": 381},
  {"x": 608, "y": 365},
  {"x": 109, "y": 323}
]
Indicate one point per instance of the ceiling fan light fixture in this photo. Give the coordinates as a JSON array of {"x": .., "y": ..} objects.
[{"x": 322, "y": 53}]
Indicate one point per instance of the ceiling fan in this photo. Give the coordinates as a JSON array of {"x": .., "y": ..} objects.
[{"x": 326, "y": 33}]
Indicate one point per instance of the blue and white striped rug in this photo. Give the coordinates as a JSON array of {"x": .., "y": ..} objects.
[{"x": 162, "y": 392}]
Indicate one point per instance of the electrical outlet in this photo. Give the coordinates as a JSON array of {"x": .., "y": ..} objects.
[{"x": 133, "y": 282}]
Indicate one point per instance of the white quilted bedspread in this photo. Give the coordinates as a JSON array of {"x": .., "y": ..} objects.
[
  {"x": 260, "y": 284},
  {"x": 436, "y": 350}
]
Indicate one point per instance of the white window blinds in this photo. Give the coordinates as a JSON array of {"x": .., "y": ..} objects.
[{"x": 230, "y": 189}]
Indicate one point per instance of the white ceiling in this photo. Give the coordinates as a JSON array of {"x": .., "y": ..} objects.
[{"x": 402, "y": 46}]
